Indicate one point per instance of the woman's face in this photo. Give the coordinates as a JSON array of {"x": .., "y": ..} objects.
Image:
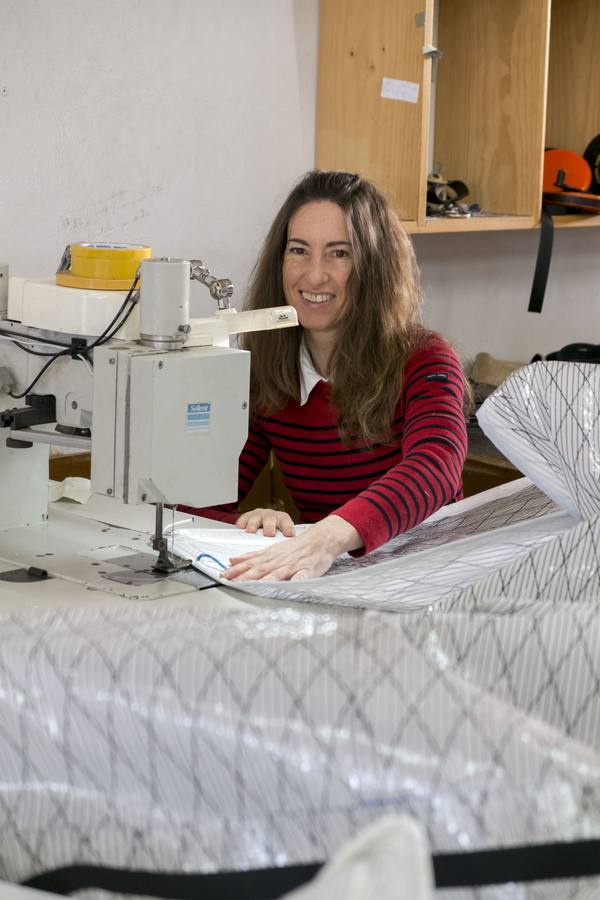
[{"x": 317, "y": 264}]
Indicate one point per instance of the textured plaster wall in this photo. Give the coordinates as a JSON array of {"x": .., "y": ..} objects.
[
  {"x": 477, "y": 290},
  {"x": 176, "y": 123}
]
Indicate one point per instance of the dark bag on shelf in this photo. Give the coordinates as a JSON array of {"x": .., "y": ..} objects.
[{"x": 580, "y": 352}]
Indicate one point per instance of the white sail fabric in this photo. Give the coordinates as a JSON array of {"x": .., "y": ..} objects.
[
  {"x": 453, "y": 675},
  {"x": 546, "y": 419}
]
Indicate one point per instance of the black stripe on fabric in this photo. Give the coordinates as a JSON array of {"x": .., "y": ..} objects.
[
  {"x": 394, "y": 452},
  {"x": 350, "y": 494},
  {"x": 450, "y": 404},
  {"x": 432, "y": 478},
  {"x": 327, "y": 453},
  {"x": 250, "y": 453},
  {"x": 329, "y": 478},
  {"x": 405, "y": 483},
  {"x": 418, "y": 482},
  {"x": 453, "y": 461},
  {"x": 397, "y": 478},
  {"x": 444, "y": 425},
  {"x": 441, "y": 395},
  {"x": 417, "y": 382},
  {"x": 399, "y": 500},
  {"x": 276, "y": 436},
  {"x": 438, "y": 360},
  {"x": 392, "y": 506},
  {"x": 432, "y": 459},
  {"x": 438, "y": 411},
  {"x": 294, "y": 439},
  {"x": 284, "y": 423},
  {"x": 436, "y": 439},
  {"x": 259, "y": 438},
  {"x": 450, "y": 472},
  {"x": 394, "y": 497},
  {"x": 383, "y": 514},
  {"x": 450, "y": 423},
  {"x": 442, "y": 428},
  {"x": 445, "y": 388}
]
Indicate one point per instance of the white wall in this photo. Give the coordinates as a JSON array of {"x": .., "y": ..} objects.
[
  {"x": 175, "y": 123},
  {"x": 477, "y": 291},
  {"x": 183, "y": 123}
]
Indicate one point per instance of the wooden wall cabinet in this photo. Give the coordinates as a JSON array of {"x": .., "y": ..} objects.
[{"x": 515, "y": 76}]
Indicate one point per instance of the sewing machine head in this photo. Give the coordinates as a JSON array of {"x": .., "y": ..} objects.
[{"x": 159, "y": 399}]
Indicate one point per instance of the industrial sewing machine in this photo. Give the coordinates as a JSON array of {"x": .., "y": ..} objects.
[{"x": 159, "y": 398}]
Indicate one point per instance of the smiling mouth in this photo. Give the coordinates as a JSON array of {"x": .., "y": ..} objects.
[{"x": 316, "y": 298}]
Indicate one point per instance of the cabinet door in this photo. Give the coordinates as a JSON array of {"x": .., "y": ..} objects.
[
  {"x": 574, "y": 75},
  {"x": 490, "y": 100},
  {"x": 363, "y": 42}
]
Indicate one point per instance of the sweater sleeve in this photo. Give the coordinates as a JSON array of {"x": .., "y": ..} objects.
[
  {"x": 434, "y": 447},
  {"x": 252, "y": 459}
]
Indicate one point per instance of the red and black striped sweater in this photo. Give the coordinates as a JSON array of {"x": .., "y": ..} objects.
[{"x": 381, "y": 491}]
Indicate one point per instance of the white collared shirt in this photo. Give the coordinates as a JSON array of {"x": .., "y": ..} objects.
[{"x": 309, "y": 377}]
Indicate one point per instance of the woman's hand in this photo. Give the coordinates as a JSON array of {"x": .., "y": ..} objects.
[
  {"x": 269, "y": 520},
  {"x": 306, "y": 556}
]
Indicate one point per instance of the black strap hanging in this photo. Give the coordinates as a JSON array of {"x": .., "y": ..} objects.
[
  {"x": 537, "y": 862},
  {"x": 542, "y": 265},
  {"x": 563, "y": 196}
]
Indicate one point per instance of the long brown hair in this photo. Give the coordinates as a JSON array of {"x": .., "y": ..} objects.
[{"x": 378, "y": 327}]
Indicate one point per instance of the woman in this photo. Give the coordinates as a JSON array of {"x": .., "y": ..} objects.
[{"x": 362, "y": 406}]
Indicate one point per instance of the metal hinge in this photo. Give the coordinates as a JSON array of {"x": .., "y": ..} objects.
[{"x": 432, "y": 53}]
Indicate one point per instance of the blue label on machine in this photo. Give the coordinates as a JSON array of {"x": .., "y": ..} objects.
[{"x": 198, "y": 416}]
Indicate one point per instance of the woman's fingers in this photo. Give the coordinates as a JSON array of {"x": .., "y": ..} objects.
[
  {"x": 285, "y": 523},
  {"x": 245, "y": 572},
  {"x": 307, "y": 555},
  {"x": 270, "y": 520},
  {"x": 301, "y": 573},
  {"x": 244, "y": 556},
  {"x": 299, "y": 557}
]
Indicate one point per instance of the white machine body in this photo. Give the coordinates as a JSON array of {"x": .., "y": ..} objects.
[
  {"x": 165, "y": 312},
  {"x": 41, "y": 304},
  {"x": 169, "y": 427},
  {"x": 162, "y": 406}
]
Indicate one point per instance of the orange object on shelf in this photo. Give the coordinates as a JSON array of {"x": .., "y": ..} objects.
[{"x": 577, "y": 173}]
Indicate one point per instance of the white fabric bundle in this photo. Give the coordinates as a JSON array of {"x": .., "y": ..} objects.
[{"x": 546, "y": 419}]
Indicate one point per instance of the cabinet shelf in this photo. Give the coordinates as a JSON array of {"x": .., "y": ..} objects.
[
  {"x": 580, "y": 221},
  {"x": 496, "y": 223},
  {"x": 500, "y": 93},
  {"x": 443, "y": 225}
]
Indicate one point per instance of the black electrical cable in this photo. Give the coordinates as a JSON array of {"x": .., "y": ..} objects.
[
  {"x": 107, "y": 334},
  {"x": 39, "y": 375},
  {"x": 32, "y": 352},
  {"x": 37, "y": 340},
  {"x": 118, "y": 326}
]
